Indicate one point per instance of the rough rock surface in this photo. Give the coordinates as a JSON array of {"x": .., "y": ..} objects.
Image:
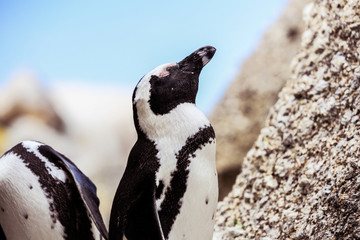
[
  {"x": 242, "y": 112},
  {"x": 301, "y": 179}
]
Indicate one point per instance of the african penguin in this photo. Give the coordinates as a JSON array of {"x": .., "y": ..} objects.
[
  {"x": 169, "y": 189},
  {"x": 43, "y": 195}
]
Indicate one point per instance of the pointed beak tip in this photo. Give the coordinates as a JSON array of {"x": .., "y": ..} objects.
[
  {"x": 206, "y": 54},
  {"x": 210, "y": 49},
  {"x": 198, "y": 59}
]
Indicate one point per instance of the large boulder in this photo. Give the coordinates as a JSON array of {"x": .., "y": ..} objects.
[
  {"x": 301, "y": 179},
  {"x": 241, "y": 113}
]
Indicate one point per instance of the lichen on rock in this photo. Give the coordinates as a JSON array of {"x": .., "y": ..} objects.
[{"x": 301, "y": 179}]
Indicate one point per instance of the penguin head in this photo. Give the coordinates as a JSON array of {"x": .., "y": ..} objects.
[{"x": 169, "y": 85}]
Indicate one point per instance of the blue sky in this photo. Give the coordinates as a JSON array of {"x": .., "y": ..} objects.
[{"x": 117, "y": 42}]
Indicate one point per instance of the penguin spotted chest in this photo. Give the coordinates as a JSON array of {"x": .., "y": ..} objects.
[
  {"x": 43, "y": 195},
  {"x": 169, "y": 188}
]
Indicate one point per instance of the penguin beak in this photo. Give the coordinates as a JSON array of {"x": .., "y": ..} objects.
[{"x": 197, "y": 60}]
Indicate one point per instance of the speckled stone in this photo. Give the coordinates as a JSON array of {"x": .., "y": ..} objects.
[
  {"x": 241, "y": 113},
  {"x": 301, "y": 179}
]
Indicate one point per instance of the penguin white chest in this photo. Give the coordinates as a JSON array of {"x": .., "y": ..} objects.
[
  {"x": 187, "y": 185},
  {"x": 196, "y": 217},
  {"x": 23, "y": 217}
]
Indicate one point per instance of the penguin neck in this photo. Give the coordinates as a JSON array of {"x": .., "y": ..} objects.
[{"x": 182, "y": 121}]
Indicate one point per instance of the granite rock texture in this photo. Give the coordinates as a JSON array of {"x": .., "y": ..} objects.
[
  {"x": 241, "y": 113},
  {"x": 301, "y": 179}
]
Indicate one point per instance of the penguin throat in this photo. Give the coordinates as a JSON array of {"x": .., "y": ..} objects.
[{"x": 181, "y": 121}]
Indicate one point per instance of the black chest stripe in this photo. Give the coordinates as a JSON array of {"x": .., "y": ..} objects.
[
  {"x": 171, "y": 205},
  {"x": 159, "y": 190},
  {"x": 65, "y": 202}
]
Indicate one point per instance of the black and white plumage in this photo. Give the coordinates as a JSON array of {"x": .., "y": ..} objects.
[
  {"x": 43, "y": 195},
  {"x": 169, "y": 189}
]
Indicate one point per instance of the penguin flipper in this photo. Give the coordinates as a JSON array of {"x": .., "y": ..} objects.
[
  {"x": 142, "y": 218},
  {"x": 134, "y": 213},
  {"x": 85, "y": 186}
]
